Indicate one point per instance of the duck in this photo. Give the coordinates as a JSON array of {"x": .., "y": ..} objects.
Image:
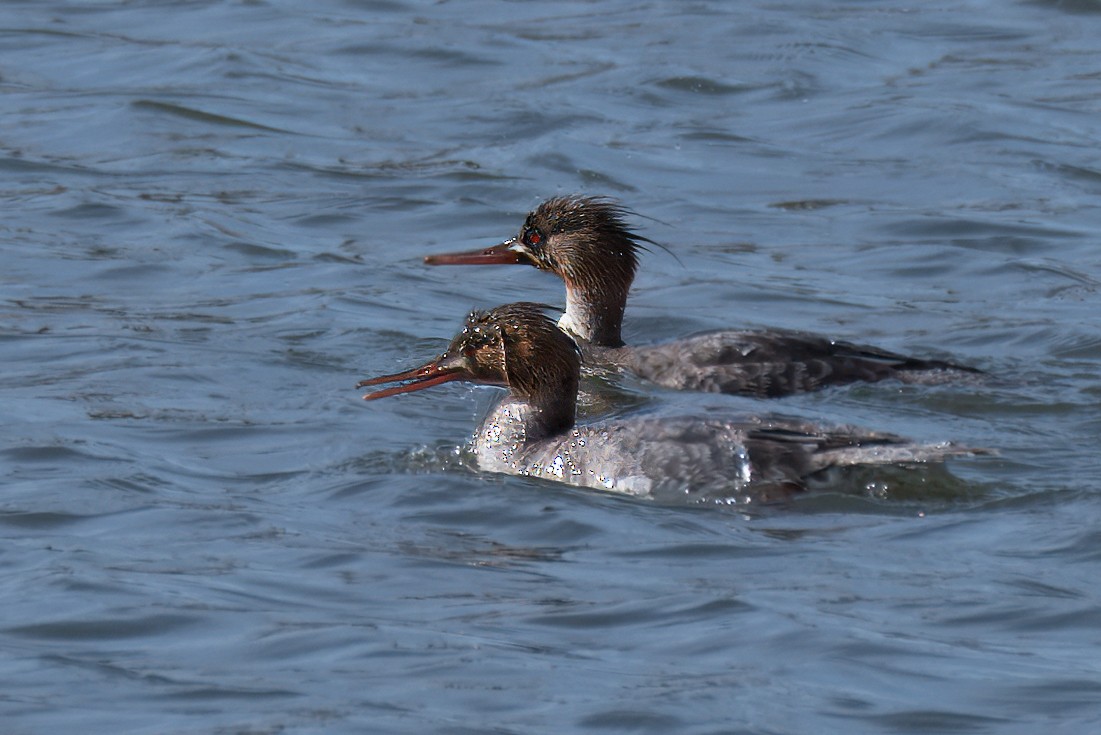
[
  {"x": 532, "y": 430},
  {"x": 586, "y": 241}
]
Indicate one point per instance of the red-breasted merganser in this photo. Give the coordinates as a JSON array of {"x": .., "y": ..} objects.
[
  {"x": 532, "y": 432},
  {"x": 586, "y": 242}
]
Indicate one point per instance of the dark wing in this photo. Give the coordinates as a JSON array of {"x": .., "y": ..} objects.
[{"x": 774, "y": 363}]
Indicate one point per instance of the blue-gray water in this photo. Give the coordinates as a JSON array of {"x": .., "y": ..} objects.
[{"x": 213, "y": 219}]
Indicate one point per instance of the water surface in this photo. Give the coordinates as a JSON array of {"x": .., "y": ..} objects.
[{"x": 214, "y": 219}]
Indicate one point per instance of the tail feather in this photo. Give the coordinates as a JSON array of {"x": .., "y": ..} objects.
[{"x": 894, "y": 453}]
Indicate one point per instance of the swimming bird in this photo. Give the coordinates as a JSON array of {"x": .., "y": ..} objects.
[
  {"x": 587, "y": 243},
  {"x": 531, "y": 431}
]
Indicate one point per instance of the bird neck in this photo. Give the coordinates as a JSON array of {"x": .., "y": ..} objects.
[{"x": 594, "y": 313}]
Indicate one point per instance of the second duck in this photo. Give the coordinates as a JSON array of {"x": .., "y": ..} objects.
[{"x": 586, "y": 242}]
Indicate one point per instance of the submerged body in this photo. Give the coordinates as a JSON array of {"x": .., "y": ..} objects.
[
  {"x": 585, "y": 241},
  {"x": 531, "y": 431},
  {"x": 680, "y": 457},
  {"x": 768, "y": 364}
]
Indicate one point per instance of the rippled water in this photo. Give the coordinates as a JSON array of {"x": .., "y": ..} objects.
[{"x": 214, "y": 214}]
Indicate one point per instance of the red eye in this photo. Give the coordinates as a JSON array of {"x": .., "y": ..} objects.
[{"x": 534, "y": 238}]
